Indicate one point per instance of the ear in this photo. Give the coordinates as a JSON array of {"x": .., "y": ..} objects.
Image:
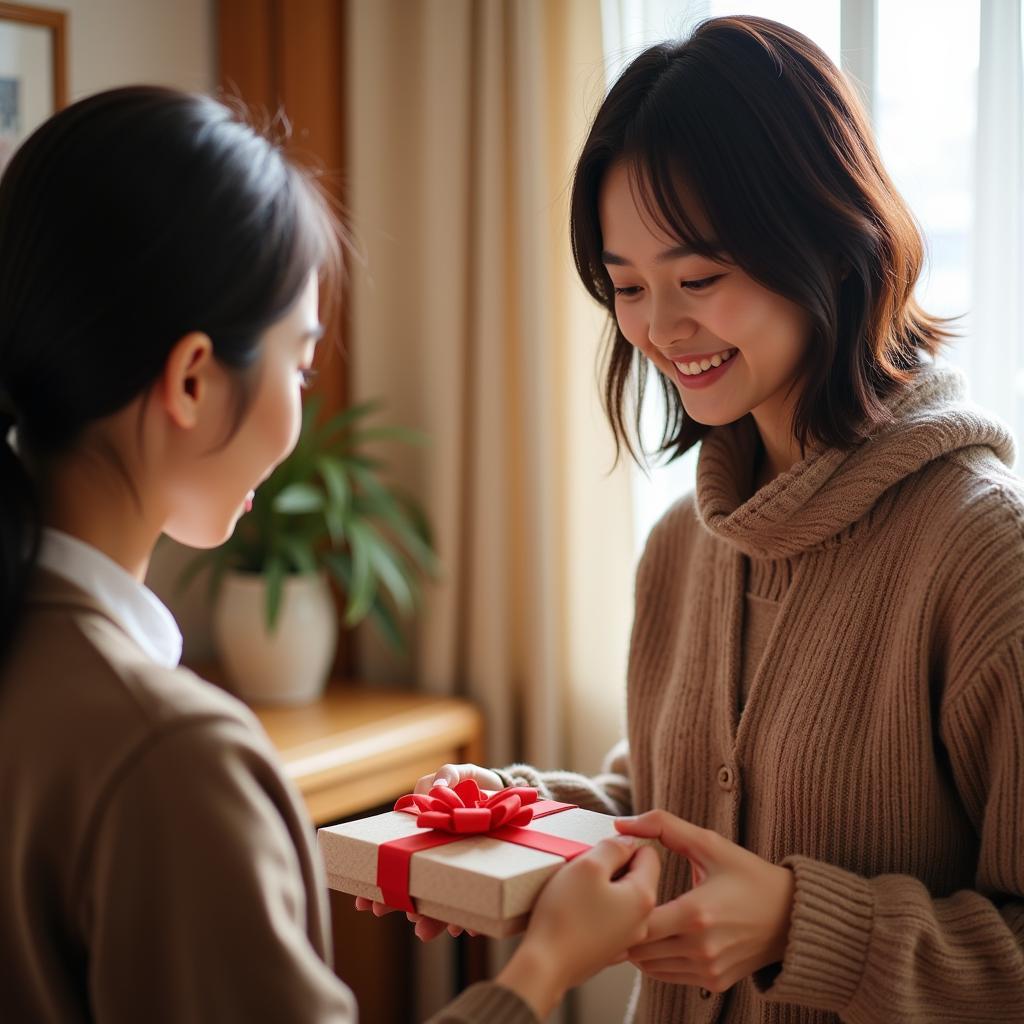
[{"x": 187, "y": 378}]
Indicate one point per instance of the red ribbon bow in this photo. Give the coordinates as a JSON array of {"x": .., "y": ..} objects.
[
  {"x": 459, "y": 812},
  {"x": 466, "y": 810}
]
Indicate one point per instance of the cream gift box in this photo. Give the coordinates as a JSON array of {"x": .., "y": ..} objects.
[{"x": 479, "y": 881}]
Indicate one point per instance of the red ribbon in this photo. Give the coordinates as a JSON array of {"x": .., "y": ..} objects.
[{"x": 453, "y": 813}]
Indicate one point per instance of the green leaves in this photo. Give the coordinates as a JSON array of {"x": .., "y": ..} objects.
[
  {"x": 327, "y": 506},
  {"x": 299, "y": 498},
  {"x": 274, "y": 572}
]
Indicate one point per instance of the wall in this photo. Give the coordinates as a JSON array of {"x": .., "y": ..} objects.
[{"x": 120, "y": 42}]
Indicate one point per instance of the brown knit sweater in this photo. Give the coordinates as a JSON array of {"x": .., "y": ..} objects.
[{"x": 880, "y": 754}]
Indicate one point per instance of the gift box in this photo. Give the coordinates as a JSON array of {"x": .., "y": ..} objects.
[{"x": 461, "y": 855}]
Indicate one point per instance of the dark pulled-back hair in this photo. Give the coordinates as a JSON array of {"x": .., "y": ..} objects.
[
  {"x": 770, "y": 137},
  {"x": 128, "y": 220}
]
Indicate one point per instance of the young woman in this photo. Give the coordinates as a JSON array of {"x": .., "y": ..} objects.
[
  {"x": 826, "y": 679},
  {"x": 159, "y": 267}
]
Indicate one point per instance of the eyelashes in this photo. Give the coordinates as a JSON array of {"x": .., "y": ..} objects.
[
  {"x": 306, "y": 378},
  {"x": 694, "y": 286}
]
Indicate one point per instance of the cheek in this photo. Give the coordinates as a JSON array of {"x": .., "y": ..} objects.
[
  {"x": 289, "y": 418},
  {"x": 771, "y": 331},
  {"x": 633, "y": 325},
  {"x": 277, "y": 419},
  {"x": 790, "y": 338}
]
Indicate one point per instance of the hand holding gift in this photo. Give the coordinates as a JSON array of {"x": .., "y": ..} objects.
[
  {"x": 733, "y": 922},
  {"x": 587, "y": 914}
]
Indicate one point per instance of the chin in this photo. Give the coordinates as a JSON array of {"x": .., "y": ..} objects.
[
  {"x": 201, "y": 535},
  {"x": 712, "y": 417}
]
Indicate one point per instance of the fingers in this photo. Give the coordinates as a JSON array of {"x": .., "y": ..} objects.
[
  {"x": 645, "y": 869},
  {"x": 427, "y": 928},
  {"x": 677, "y": 917},
  {"x": 674, "y": 946},
  {"x": 446, "y": 775},
  {"x": 611, "y": 854},
  {"x": 453, "y": 774},
  {"x": 379, "y": 909},
  {"x": 674, "y": 972},
  {"x": 678, "y": 835},
  {"x": 425, "y": 783}
]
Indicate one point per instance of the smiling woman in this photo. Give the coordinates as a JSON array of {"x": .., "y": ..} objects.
[
  {"x": 683, "y": 310},
  {"x": 825, "y": 719},
  {"x": 792, "y": 206}
]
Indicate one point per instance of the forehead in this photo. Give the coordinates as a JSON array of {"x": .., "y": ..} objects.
[{"x": 631, "y": 219}]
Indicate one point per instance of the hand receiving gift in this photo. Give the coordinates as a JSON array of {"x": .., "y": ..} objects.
[{"x": 733, "y": 922}]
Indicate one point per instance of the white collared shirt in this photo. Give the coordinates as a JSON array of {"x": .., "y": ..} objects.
[{"x": 142, "y": 615}]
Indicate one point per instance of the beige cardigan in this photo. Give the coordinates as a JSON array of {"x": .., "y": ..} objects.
[
  {"x": 155, "y": 865},
  {"x": 880, "y": 754}
]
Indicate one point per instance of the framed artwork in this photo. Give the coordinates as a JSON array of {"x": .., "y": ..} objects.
[{"x": 33, "y": 74}]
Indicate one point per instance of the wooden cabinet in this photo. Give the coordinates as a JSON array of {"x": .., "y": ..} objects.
[{"x": 358, "y": 748}]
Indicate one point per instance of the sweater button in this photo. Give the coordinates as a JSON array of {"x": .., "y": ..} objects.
[
  {"x": 705, "y": 993},
  {"x": 726, "y": 778}
]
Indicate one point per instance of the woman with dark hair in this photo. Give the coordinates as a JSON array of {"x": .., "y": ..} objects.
[
  {"x": 826, "y": 677},
  {"x": 159, "y": 272}
]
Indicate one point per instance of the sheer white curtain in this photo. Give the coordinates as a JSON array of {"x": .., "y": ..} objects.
[
  {"x": 995, "y": 359},
  {"x": 943, "y": 82}
]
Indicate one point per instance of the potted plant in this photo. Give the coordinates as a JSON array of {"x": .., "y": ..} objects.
[{"x": 324, "y": 512}]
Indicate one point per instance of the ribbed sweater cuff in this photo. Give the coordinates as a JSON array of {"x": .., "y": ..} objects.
[
  {"x": 487, "y": 1002},
  {"x": 523, "y": 775},
  {"x": 829, "y": 935}
]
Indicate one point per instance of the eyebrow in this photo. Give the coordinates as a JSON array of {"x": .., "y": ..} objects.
[
  {"x": 312, "y": 333},
  {"x": 675, "y": 253}
]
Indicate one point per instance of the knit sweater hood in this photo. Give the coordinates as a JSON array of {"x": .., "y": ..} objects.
[{"x": 820, "y": 499}]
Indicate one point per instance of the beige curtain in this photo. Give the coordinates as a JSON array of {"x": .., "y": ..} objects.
[{"x": 465, "y": 119}]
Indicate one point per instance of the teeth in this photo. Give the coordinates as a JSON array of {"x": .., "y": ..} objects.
[{"x": 693, "y": 368}]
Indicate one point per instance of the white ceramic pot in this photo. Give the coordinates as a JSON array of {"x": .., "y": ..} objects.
[{"x": 290, "y": 665}]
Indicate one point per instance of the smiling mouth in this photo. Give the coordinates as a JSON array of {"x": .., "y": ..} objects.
[{"x": 695, "y": 367}]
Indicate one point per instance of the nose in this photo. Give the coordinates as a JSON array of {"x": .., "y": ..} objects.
[{"x": 668, "y": 325}]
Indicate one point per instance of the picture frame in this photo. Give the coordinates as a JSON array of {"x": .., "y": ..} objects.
[{"x": 33, "y": 71}]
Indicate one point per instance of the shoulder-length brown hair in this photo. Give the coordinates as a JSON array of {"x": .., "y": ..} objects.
[{"x": 771, "y": 138}]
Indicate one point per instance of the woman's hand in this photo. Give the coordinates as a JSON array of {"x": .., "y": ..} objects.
[
  {"x": 587, "y": 915},
  {"x": 733, "y": 922},
  {"x": 453, "y": 774},
  {"x": 427, "y": 928}
]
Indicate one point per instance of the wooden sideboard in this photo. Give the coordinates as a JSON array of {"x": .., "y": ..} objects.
[{"x": 358, "y": 748}]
